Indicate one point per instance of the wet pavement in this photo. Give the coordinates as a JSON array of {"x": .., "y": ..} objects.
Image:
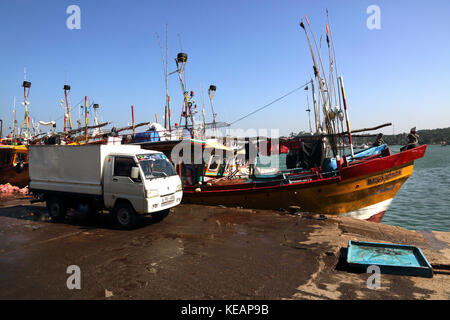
[{"x": 200, "y": 252}]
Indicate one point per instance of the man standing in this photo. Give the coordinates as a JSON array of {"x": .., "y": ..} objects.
[
  {"x": 379, "y": 141},
  {"x": 413, "y": 140}
]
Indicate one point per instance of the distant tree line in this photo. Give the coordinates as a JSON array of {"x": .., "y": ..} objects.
[{"x": 426, "y": 136}]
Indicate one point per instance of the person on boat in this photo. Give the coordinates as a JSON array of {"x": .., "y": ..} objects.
[
  {"x": 413, "y": 140},
  {"x": 379, "y": 141}
]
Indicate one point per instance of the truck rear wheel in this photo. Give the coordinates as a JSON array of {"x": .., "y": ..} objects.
[
  {"x": 56, "y": 209},
  {"x": 124, "y": 215}
]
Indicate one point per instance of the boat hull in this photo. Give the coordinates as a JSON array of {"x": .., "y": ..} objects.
[
  {"x": 363, "y": 191},
  {"x": 9, "y": 174}
]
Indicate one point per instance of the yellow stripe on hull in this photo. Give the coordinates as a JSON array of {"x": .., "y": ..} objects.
[
  {"x": 346, "y": 196},
  {"x": 332, "y": 197}
]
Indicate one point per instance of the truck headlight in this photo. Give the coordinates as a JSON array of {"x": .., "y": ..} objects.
[
  {"x": 152, "y": 193},
  {"x": 179, "y": 187}
]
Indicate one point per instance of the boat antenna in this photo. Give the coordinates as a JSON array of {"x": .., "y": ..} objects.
[
  {"x": 166, "y": 75},
  {"x": 179, "y": 40},
  {"x": 164, "y": 62}
]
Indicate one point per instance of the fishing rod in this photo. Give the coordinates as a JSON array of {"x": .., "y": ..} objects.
[
  {"x": 339, "y": 97},
  {"x": 328, "y": 125},
  {"x": 316, "y": 111},
  {"x": 320, "y": 60}
]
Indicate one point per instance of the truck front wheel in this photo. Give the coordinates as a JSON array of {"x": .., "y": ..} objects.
[
  {"x": 56, "y": 209},
  {"x": 124, "y": 215}
]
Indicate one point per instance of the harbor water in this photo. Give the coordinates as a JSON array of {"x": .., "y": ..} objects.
[{"x": 423, "y": 202}]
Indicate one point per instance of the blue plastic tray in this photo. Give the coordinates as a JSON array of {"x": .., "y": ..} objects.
[{"x": 391, "y": 258}]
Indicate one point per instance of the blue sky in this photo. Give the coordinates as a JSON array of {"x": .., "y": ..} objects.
[{"x": 253, "y": 51}]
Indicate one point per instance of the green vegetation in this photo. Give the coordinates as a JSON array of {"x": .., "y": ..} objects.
[{"x": 426, "y": 136}]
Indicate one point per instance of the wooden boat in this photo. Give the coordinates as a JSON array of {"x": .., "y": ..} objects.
[
  {"x": 362, "y": 189},
  {"x": 360, "y": 185},
  {"x": 14, "y": 165}
]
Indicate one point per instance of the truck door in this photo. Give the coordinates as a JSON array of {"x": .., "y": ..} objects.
[{"x": 119, "y": 185}]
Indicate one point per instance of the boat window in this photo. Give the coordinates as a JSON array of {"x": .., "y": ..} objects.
[
  {"x": 156, "y": 165},
  {"x": 122, "y": 166},
  {"x": 213, "y": 165},
  {"x": 21, "y": 157}
]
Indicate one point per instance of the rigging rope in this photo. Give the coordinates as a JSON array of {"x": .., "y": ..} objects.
[{"x": 270, "y": 103}]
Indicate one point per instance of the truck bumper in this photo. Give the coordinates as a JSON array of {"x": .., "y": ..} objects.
[{"x": 163, "y": 202}]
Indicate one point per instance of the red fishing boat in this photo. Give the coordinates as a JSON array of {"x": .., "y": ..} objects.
[{"x": 321, "y": 176}]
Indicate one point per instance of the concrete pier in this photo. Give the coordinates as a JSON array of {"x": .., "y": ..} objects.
[{"x": 200, "y": 252}]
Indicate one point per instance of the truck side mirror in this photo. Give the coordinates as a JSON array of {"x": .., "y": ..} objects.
[{"x": 135, "y": 173}]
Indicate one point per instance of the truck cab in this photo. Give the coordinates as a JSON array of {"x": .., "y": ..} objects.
[{"x": 146, "y": 181}]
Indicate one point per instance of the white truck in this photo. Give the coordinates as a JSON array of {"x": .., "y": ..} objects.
[{"x": 124, "y": 179}]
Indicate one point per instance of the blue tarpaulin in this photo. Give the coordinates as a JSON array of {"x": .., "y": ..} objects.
[
  {"x": 330, "y": 164},
  {"x": 147, "y": 136}
]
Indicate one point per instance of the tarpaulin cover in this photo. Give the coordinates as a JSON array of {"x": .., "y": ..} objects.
[
  {"x": 147, "y": 136},
  {"x": 304, "y": 153}
]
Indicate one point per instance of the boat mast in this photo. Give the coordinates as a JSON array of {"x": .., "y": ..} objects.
[
  {"x": 329, "y": 129},
  {"x": 15, "y": 121},
  {"x": 211, "y": 93},
  {"x": 324, "y": 79},
  {"x": 132, "y": 118},
  {"x": 186, "y": 111},
  {"x": 341, "y": 81},
  {"x": 203, "y": 110},
  {"x": 308, "y": 110},
  {"x": 86, "y": 118},
  {"x": 66, "y": 92},
  {"x": 316, "y": 111},
  {"x": 26, "y": 85}
]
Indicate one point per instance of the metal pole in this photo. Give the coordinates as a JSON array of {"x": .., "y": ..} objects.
[
  {"x": 132, "y": 117},
  {"x": 341, "y": 81},
  {"x": 86, "y": 117}
]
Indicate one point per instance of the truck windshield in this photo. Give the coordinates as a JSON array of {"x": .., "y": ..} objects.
[{"x": 156, "y": 166}]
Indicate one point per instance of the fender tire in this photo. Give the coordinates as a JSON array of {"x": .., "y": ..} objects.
[
  {"x": 56, "y": 209},
  {"x": 124, "y": 215}
]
